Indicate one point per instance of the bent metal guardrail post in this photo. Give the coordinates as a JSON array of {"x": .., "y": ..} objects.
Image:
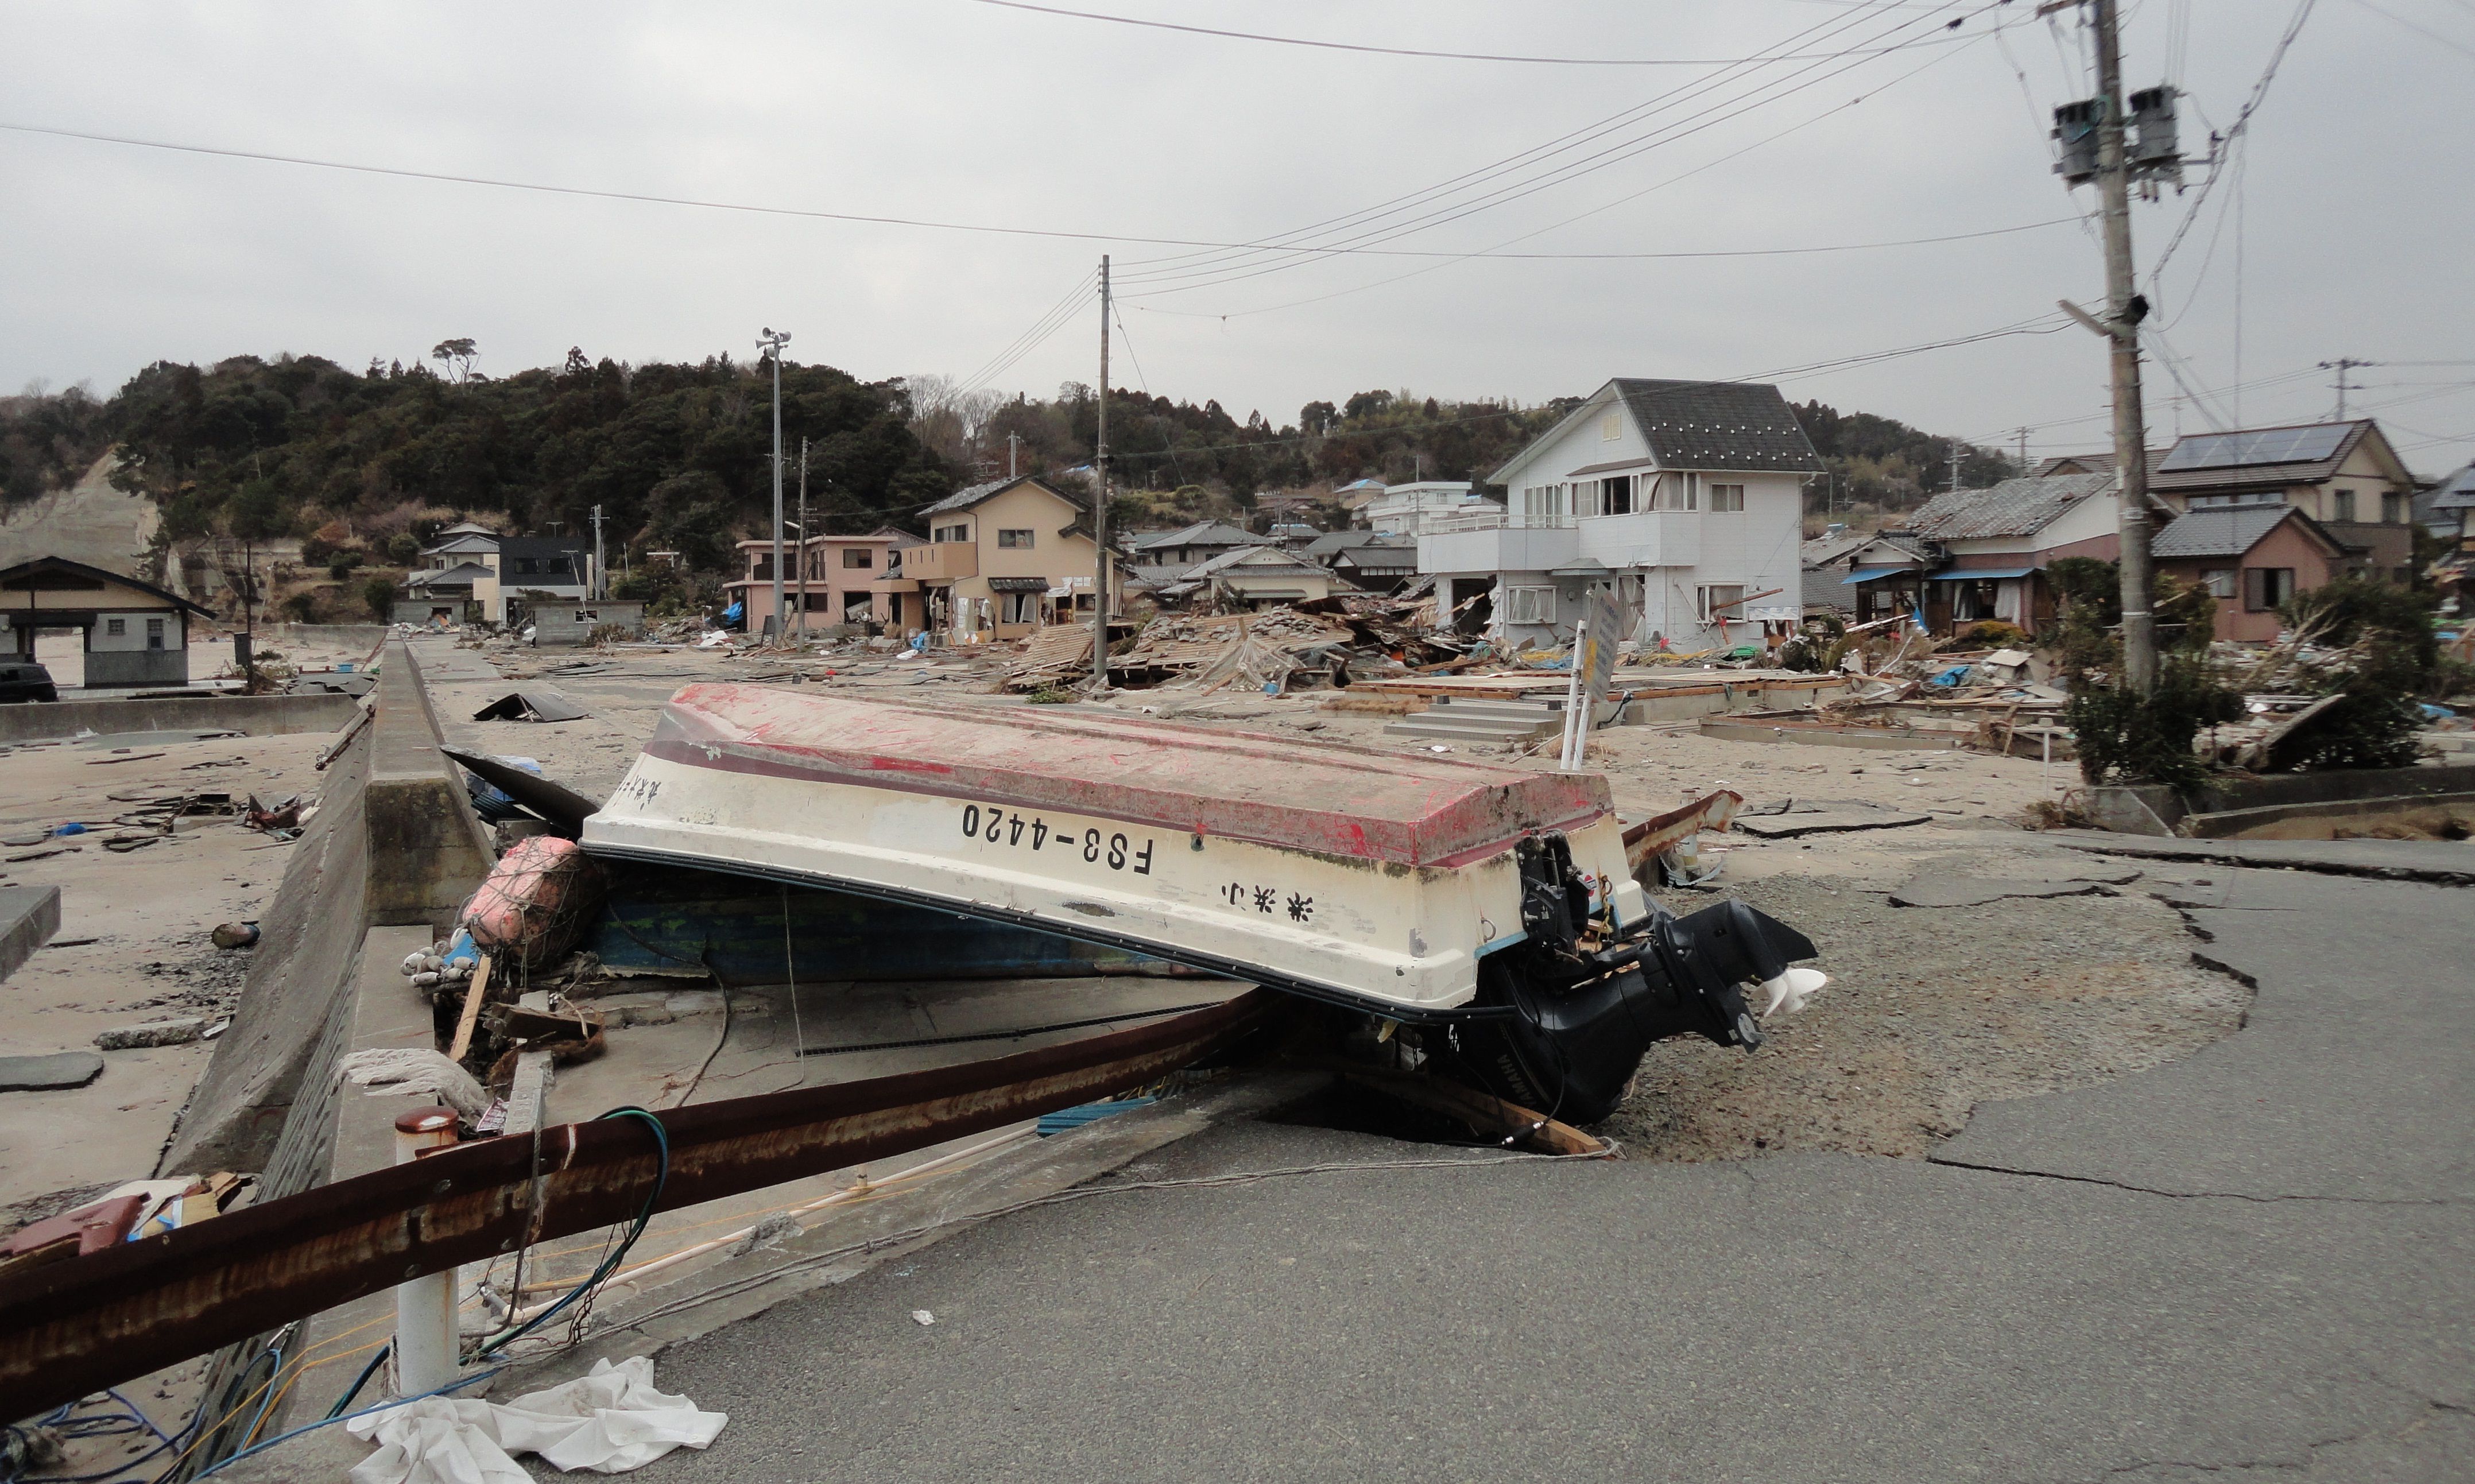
[{"x": 77, "y": 1326}]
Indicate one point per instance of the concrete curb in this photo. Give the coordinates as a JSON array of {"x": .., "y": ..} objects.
[
  {"x": 257, "y": 716},
  {"x": 2441, "y": 863},
  {"x": 426, "y": 848}
]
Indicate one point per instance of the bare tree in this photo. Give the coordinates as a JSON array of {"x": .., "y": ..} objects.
[{"x": 946, "y": 418}]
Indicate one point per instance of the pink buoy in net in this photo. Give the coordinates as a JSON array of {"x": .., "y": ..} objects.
[{"x": 535, "y": 903}]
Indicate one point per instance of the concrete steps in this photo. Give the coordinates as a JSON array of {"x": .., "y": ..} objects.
[{"x": 1498, "y": 721}]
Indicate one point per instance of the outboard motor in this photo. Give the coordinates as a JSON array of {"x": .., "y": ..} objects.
[{"x": 1562, "y": 1025}]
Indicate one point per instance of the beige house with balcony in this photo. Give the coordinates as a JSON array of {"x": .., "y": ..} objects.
[{"x": 1001, "y": 560}]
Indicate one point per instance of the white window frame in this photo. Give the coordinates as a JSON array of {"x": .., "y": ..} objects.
[
  {"x": 1611, "y": 427},
  {"x": 1529, "y": 605},
  {"x": 115, "y": 628},
  {"x": 1021, "y": 607},
  {"x": 1728, "y": 496},
  {"x": 1708, "y": 595},
  {"x": 1016, "y": 539},
  {"x": 947, "y": 535}
]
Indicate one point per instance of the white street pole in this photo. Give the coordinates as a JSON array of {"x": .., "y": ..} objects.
[
  {"x": 425, "y": 1307},
  {"x": 775, "y": 341}
]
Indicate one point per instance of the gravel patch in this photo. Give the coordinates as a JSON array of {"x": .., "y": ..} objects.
[{"x": 1930, "y": 1012}]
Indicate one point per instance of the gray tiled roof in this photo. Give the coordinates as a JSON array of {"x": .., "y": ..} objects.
[
  {"x": 1331, "y": 542},
  {"x": 1258, "y": 560},
  {"x": 1822, "y": 550},
  {"x": 2014, "y": 507},
  {"x": 1827, "y": 587},
  {"x": 2228, "y": 531},
  {"x": 1724, "y": 426},
  {"x": 1202, "y": 533},
  {"x": 966, "y": 499},
  {"x": 2457, "y": 491}
]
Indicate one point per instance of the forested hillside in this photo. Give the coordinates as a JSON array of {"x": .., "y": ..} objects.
[{"x": 364, "y": 465}]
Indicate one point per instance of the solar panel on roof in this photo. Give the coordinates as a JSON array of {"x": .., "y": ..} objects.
[{"x": 2257, "y": 445}]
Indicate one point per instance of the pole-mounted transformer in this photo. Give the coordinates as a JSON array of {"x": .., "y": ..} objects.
[{"x": 2152, "y": 147}]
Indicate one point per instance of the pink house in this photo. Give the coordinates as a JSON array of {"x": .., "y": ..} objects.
[{"x": 841, "y": 575}]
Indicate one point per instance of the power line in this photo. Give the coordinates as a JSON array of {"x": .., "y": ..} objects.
[
  {"x": 759, "y": 208},
  {"x": 2225, "y": 141},
  {"x": 1380, "y": 51},
  {"x": 2426, "y": 32},
  {"x": 1710, "y": 165},
  {"x": 1612, "y": 154},
  {"x": 1296, "y": 239}
]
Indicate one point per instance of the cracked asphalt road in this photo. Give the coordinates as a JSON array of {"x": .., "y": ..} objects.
[{"x": 2257, "y": 1259}]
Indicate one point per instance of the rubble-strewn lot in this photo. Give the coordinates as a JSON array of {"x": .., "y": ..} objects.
[{"x": 1932, "y": 1009}]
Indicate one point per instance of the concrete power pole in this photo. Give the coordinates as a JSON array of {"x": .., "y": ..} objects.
[
  {"x": 773, "y": 342},
  {"x": 601, "y": 588},
  {"x": 2342, "y": 365},
  {"x": 2124, "y": 309},
  {"x": 1955, "y": 466},
  {"x": 1013, "y": 450},
  {"x": 803, "y": 537},
  {"x": 1100, "y": 507}
]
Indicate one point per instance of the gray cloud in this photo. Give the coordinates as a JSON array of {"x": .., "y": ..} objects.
[{"x": 2353, "y": 207}]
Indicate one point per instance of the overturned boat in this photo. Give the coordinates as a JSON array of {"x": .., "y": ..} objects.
[{"x": 1488, "y": 917}]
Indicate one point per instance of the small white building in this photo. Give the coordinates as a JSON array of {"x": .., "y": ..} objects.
[
  {"x": 1405, "y": 509},
  {"x": 134, "y": 633},
  {"x": 1687, "y": 497}
]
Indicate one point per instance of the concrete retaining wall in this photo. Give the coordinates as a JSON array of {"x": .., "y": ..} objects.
[
  {"x": 427, "y": 847},
  {"x": 257, "y": 716},
  {"x": 393, "y": 841},
  {"x": 364, "y": 638},
  {"x": 307, "y": 940}
]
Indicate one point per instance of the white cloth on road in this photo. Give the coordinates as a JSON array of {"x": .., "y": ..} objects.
[
  {"x": 610, "y": 1422},
  {"x": 388, "y": 1070}
]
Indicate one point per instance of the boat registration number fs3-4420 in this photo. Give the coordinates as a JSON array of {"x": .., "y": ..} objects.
[{"x": 999, "y": 826}]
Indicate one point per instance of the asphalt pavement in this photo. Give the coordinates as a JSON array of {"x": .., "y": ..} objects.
[{"x": 2255, "y": 1261}]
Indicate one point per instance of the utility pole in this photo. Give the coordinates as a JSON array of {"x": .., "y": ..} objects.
[
  {"x": 1955, "y": 466},
  {"x": 804, "y": 537},
  {"x": 1100, "y": 507},
  {"x": 2024, "y": 450},
  {"x": 2341, "y": 365},
  {"x": 773, "y": 342},
  {"x": 601, "y": 586},
  {"x": 1014, "y": 444},
  {"x": 2124, "y": 309}
]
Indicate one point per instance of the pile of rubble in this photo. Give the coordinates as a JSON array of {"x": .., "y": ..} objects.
[{"x": 1323, "y": 641}]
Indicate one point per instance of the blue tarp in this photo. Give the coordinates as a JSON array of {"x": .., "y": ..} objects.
[
  {"x": 1871, "y": 573},
  {"x": 1979, "y": 573}
]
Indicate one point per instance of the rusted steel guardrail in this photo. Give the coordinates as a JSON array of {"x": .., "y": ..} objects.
[{"x": 74, "y": 1326}]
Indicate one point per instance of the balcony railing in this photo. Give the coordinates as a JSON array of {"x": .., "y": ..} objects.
[{"x": 1452, "y": 523}]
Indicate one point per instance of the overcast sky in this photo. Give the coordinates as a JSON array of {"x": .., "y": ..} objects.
[{"x": 2346, "y": 230}]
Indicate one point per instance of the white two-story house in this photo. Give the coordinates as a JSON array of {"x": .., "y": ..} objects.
[{"x": 1687, "y": 497}]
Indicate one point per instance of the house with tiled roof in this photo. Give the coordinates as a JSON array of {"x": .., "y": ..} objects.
[
  {"x": 1684, "y": 497},
  {"x": 2343, "y": 475},
  {"x": 1970, "y": 555},
  {"x": 2251, "y": 558},
  {"x": 1002, "y": 558}
]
